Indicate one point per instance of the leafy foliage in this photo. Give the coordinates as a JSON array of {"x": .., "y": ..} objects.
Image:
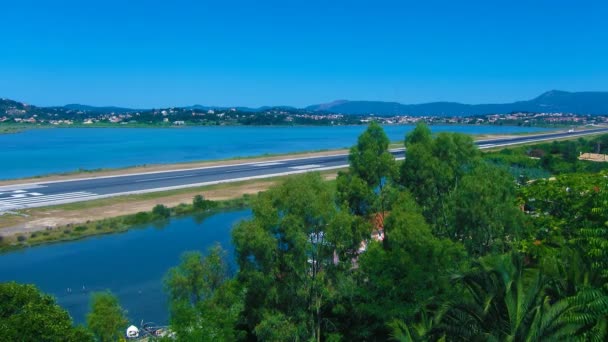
[
  {"x": 107, "y": 320},
  {"x": 26, "y": 314}
]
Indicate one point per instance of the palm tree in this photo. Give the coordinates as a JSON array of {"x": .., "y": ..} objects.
[{"x": 507, "y": 302}]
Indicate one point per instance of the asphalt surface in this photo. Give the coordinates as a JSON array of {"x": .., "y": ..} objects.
[{"x": 49, "y": 193}]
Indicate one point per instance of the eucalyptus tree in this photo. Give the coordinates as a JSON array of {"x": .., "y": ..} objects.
[
  {"x": 107, "y": 319},
  {"x": 368, "y": 186},
  {"x": 290, "y": 254},
  {"x": 483, "y": 212},
  {"x": 395, "y": 282},
  {"x": 204, "y": 302},
  {"x": 432, "y": 170}
]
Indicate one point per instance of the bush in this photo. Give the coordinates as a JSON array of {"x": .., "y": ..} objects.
[
  {"x": 21, "y": 238},
  {"x": 33, "y": 235},
  {"x": 139, "y": 218},
  {"x": 99, "y": 227},
  {"x": 80, "y": 228},
  {"x": 161, "y": 211},
  {"x": 67, "y": 231},
  {"x": 182, "y": 209}
]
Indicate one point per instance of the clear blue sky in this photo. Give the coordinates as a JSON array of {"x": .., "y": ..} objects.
[{"x": 251, "y": 53}]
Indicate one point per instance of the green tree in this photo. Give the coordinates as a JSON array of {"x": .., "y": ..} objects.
[
  {"x": 296, "y": 246},
  {"x": 372, "y": 168},
  {"x": 107, "y": 319},
  {"x": 395, "y": 282},
  {"x": 504, "y": 301},
  {"x": 570, "y": 210},
  {"x": 26, "y": 314},
  {"x": 433, "y": 168},
  {"x": 204, "y": 304},
  {"x": 483, "y": 212}
]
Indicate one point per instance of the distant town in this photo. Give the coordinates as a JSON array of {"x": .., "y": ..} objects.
[{"x": 13, "y": 113}]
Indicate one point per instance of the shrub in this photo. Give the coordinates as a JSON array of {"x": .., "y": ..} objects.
[
  {"x": 33, "y": 235},
  {"x": 80, "y": 228},
  {"x": 21, "y": 238},
  {"x": 67, "y": 231},
  {"x": 161, "y": 211}
]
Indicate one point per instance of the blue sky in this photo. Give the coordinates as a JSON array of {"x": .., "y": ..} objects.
[{"x": 251, "y": 53}]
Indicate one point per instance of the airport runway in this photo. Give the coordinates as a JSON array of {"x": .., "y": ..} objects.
[{"x": 29, "y": 195}]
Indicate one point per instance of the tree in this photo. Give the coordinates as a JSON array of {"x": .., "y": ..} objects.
[
  {"x": 372, "y": 168},
  {"x": 483, "y": 214},
  {"x": 395, "y": 282},
  {"x": 296, "y": 246},
  {"x": 26, "y": 314},
  {"x": 433, "y": 168},
  {"x": 107, "y": 319},
  {"x": 505, "y": 301},
  {"x": 204, "y": 304},
  {"x": 570, "y": 210}
]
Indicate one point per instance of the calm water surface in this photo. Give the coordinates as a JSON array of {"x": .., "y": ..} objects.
[
  {"x": 43, "y": 151},
  {"x": 130, "y": 264}
]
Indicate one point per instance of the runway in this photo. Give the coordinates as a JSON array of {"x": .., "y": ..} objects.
[{"x": 29, "y": 195}]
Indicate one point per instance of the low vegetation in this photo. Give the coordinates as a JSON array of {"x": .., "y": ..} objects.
[{"x": 158, "y": 214}]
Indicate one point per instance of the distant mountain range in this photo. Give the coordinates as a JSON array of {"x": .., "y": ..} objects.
[{"x": 554, "y": 101}]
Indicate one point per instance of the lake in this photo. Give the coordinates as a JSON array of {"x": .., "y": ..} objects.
[
  {"x": 44, "y": 151},
  {"x": 130, "y": 264}
]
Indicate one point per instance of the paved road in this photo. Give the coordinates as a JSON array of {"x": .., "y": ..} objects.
[{"x": 48, "y": 193}]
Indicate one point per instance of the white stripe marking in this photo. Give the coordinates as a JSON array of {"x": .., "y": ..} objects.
[
  {"x": 268, "y": 164},
  {"x": 161, "y": 178},
  {"x": 305, "y": 167}
]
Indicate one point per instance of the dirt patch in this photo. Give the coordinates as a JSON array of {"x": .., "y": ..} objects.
[{"x": 596, "y": 157}]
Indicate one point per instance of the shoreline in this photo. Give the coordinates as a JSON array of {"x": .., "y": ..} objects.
[
  {"x": 47, "y": 223},
  {"x": 18, "y": 128}
]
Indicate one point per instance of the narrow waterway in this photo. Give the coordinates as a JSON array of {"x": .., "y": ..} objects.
[{"x": 131, "y": 264}]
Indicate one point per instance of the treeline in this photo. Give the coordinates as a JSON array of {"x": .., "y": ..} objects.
[{"x": 445, "y": 246}]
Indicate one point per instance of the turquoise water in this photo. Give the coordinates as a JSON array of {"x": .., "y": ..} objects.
[
  {"x": 43, "y": 151},
  {"x": 130, "y": 264}
]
